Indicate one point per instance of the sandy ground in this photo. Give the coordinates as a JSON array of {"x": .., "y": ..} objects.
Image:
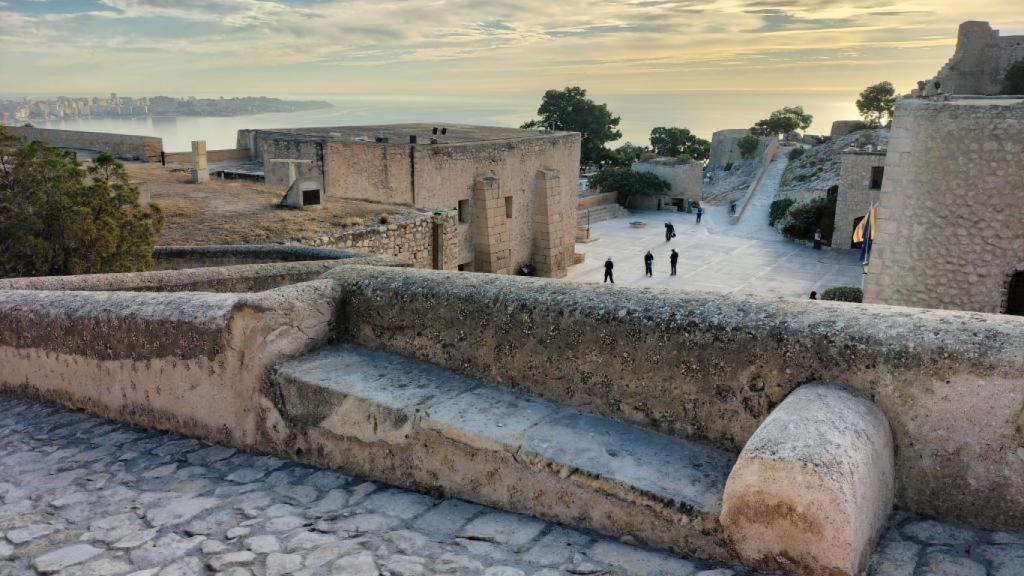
[{"x": 241, "y": 212}]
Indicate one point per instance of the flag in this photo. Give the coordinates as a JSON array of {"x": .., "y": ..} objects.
[{"x": 865, "y": 233}]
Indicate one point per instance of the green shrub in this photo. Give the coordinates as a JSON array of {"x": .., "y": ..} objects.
[
  {"x": 628, "y": 183},
  {"x": 843, "y": 294},
  {"x": 796, "y": 153},
  {"x": 818, "y": 214},
  {"x": 748, "y": 145},
  {"x": 1015, "y": 78},
  {"x": 727, "y": 167},
  {"x": 778, "y": 209}
]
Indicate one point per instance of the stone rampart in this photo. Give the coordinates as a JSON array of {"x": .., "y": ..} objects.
[
  {"x": 126, "y": 147},
  {"x": 950, "y": 228},
  {"x": 212, "y": 156},
  {"x": 841, "y": 128},
  {"x": 979, "y": 64},
  {"x": 713, "y": 366}
]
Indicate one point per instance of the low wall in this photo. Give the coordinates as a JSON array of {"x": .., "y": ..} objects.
[
  {"x": 597, "y": 200},
  {"x": 180, "y": 257},
  {"x": 713, "y": 366},
  {"x": 212, "y": 156},
  {"x": 191, "y": 363},
  {"x": 413, "y": 240},
  {"x": 126, "y": 147}
]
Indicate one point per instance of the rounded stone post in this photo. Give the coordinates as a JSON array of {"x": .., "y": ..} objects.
[{"x": 813, "y": 487}]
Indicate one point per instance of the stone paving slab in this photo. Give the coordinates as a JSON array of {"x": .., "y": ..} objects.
[{"x": 77, "y": 494}]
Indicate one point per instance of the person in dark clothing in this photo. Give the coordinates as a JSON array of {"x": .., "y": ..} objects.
[
  {"x": 649, "y": 264},
  {"x": 670, "y": 231},
  {"x": 814, "y": 295},
  {"x": 674, "y": 259},
  {"x": 608, "y": 270},
  {"x": 700, "y": 212}
]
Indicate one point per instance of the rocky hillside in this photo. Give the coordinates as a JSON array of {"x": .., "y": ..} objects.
[
  {"x": 811, "y": 175},
  {"x": 722, "y": 186}
]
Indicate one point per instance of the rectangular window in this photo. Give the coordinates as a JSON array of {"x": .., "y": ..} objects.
[
  {"x": 463, "y": 211},
  {"x": 508, "y": 206},
  {"x": 877, "y": 172}
]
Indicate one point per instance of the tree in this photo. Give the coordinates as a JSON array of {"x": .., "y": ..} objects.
[
  {"x": 678, "y": 142},
  {"x": 57, "y": 217},
  {"x": 628, "y": 183},
  {"x": 1015, "y": 78},
  {"x": 748, "y": 145},
  {"x": 628, "y": 153},
  {"x": 877, "y": 102},
  {"x": 570, "y": 109},
  {"x": 783, "y": 121}
]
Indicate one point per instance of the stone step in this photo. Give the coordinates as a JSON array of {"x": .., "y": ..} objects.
[
  {"x": 418, "y": 426},
  {"x": 600, "y": 214}
]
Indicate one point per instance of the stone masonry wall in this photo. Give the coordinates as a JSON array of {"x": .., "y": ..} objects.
[
  {"x": 950, "y": 226},
  {"x": 686, "y": 179},
  {"x": 978, "y": 65},
  {"x": 418, "y": 240},
  {"x": 713, "y": 366},
  {"x": 855, "y": 193},
  {"x": 126, "y": 147}
]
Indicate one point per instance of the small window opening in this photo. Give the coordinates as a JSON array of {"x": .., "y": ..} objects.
[
  {"x": 508, "y": 206},
  {"x": 877, "y": 172},
  {"x": 463, "y": 211}
]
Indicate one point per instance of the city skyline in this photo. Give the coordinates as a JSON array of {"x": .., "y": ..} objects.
[{"x": 468, "y": 47}]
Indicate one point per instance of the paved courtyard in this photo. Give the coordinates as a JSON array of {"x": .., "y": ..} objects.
[
  {"x": 85, "y": 497},
  {"x": 749, "y": 257}
]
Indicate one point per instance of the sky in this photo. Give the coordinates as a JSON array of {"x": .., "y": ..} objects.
[{"x": 477, "y": 47}]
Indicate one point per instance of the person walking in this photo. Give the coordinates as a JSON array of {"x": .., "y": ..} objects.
[
  {"x": 700, "y": 212},
  {"x": 674, "y": 259},
  {"x": 649, "y": 264},
  {"x": 608, "y": 265},
  {"x": 670, "y": 231}
]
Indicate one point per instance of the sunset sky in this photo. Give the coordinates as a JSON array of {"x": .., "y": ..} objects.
[{"x": 477, "y": 47}]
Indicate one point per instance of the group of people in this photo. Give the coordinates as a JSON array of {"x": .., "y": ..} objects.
[{"x": 673, "y": 259}]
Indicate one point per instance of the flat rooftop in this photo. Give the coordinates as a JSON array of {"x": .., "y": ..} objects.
[{"x": 399, "y": 133}]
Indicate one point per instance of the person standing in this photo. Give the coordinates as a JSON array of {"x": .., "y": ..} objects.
[
  {"x": 674, "y": 259},
  {"x": 649, "y": 264},
  {"x": 817, "y": 239},
  {"x": 700, "y": 212},
  {"x": 670, "y": 231},
  {"x": 608, "y": 265}
]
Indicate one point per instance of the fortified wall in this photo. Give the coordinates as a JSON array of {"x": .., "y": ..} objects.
[
  {"x": 950, "y": 232},
  {"x": 514, "y": 191},
  {"x": 978, "y": 65},
  {"x": 641, "y": 414},
  {"x": 685, "y": 178},
  {"x": 125, "y": 147}
]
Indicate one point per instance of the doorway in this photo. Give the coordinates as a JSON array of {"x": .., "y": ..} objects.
[{"x": 1015, "y": 294}]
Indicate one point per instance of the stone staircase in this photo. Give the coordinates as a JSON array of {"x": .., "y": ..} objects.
[
  {"x": 418, "y": 425},
  {"x": 600, "y": 213}
]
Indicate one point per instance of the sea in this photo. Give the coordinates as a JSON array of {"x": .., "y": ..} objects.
[{"x": 703, "y": 112}]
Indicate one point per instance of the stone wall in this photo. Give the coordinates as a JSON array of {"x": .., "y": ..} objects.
[
  {"x": 950, "y": 228},
  {"x": 686, "y": 179},
  {"x": 423, "y": 240},
  {"x": 212, "y": 156},
  {"x": 978, "y": 65},
  {"x": 712, "y": 366},
  {"x": 841, "y": 128},
  {"x": 125, "y": 147},
  {"x": 855, "y": 192},
  {"x": 725, "y": 149},
  {"x": 441, "y": 176}
]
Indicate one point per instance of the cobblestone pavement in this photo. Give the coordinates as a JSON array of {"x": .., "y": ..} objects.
[{"x": 82, "y": 496}]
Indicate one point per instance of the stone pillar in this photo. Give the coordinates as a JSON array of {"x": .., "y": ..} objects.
[
  {"x": 445, "y": 239},
  {"x": 814, "y": 485},
  {"x": 548, "y": 240},
  {"x": 491, "y": 241},
  {"x": 200, "y": 171}
]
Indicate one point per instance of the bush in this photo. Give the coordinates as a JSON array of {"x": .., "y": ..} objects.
[
  {"x": 748, "y": 145},
  {"x": 843, "y": 294},
  {"x": 383, "y": 218},
  {"x": 778, "y": 209},
  {"x": 805, "y": 219},
  {"x": 628, "y": 183},
  {"x": 727, "y": 167},
  {"x": 58, "y": 217},
  {"x": 796, "y": 153}
]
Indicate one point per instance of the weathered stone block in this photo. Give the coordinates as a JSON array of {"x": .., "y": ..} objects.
[{"x": 812, "y": 488}]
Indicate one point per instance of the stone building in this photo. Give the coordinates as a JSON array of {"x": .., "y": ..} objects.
[
  {"x": 684, "y": 177},
  {"x": 951, "y": 220},
  {"x": 979, "y": 64},
  {"x": 860, "y": 185},
  {"x": 725, "y": 147},
  {"x": 514, "y": 190}
]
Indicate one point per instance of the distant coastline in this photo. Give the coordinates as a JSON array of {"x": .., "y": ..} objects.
[{"x": 71, "y": 108}]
